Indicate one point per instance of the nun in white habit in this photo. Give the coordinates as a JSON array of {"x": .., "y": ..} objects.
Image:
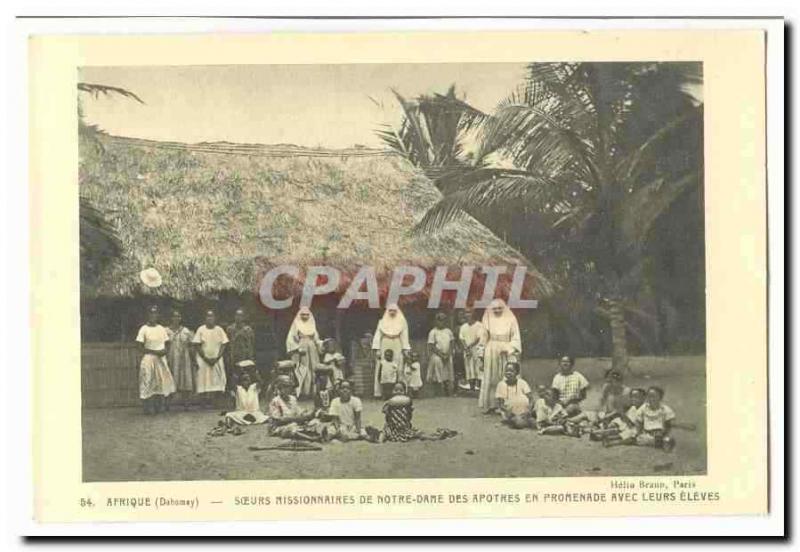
[
  {"x": 391, "y": 333},
  {"x": 503, "y": 344},
  {"x": 303, "y": 344}
]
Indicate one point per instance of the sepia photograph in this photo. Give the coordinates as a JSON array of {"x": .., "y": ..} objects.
[{"x": 392, "y": 271}]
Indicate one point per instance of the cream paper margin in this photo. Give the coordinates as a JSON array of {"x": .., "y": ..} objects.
[{"x": 736, "y": 275}]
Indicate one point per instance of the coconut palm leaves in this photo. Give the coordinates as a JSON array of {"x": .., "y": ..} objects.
[
  {"x": 599, "y": 150},
  {"x": 432, "y": 131}
]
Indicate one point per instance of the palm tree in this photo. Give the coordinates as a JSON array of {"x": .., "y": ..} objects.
[
  {"x": 99, "y": 243},
  {"x": 433, "y": 131},
  {"x": 598, "y": 153}
]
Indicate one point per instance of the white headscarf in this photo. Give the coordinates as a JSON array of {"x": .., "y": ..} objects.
[
  {"x": 502, "y": 324},
  {"x": 392, "y": 325},
  {"x": 307, "y": 327}
]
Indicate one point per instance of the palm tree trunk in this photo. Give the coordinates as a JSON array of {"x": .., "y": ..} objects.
[{"x": 619, "y": 340}]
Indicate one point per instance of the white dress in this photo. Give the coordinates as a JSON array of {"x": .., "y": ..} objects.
[
  {"x": 471, "y": 334},
  {"x": 503, "y": 344},
  {"x": 303, "y": 344},
  {"x": 210, "y": 378},
  {"x": 154, "y": 375},
  {"x": 247, "y": 410}
]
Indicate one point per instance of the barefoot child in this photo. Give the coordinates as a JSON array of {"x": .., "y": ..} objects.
[
  {"x": 413, "y": 375},
  {"x": 387, "y": 373},
  {"x": 470, "y": 334},
  {"x": 513, "y": 396},
  {"x": 289, "y": 421},
  {"x": 571, "y": 384},
  {"x": 440, "y": 349},
  {"x": 550, "y": 414},
  {"x": 345, "y": 414},
  {"x": 654, "y": 421},
  {"x": 626, "y": 424},
  {"x": 247, "y": 410},
  {"x": 612, "y": 390},
  {"x": 398, "y": 411}
]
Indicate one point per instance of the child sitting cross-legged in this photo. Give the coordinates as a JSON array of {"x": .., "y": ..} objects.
[
  {"x": 653, "y": 423},
  {"x": 622, "y": 428},
  {"x": 513, "y": 396},
  {"x": 550, "y": 413},
  {"x": 345, "y": 414}
]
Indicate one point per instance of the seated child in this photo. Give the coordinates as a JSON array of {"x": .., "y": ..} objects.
[
  {"x": 550, "y": 413},
  {"x": 289, "y": 421},
  {"x": 623, "y": 429},
  {"x": 612, "y": 389},
  {"x": 571, "y": 384},
  {"x": 513, "y": 396},
  {"x": 345, "y": 414},
  {"x": 282, "y": 368},
  {"x": 654, "y": 421},
  {"x": 398, "y": 411},
  {"x": 412, "y": 375},
  {"x": 247, "y": 410},
  {"x": 387, "y": 373}
]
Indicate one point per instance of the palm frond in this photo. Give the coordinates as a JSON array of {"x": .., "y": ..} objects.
[
  {"x": 102, "y": 89},
  {"x": 483, "y": 195}
]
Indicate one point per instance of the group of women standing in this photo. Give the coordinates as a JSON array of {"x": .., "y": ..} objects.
[{"x": 178, "y": 361}]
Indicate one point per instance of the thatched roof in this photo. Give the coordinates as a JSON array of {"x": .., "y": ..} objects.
[{"x": 212, "y": 217}]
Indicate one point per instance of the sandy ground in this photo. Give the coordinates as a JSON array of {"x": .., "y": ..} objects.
[{"x": 123, "y": 444}]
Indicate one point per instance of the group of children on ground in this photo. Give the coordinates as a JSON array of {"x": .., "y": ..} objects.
[
  {"x": 176, "y": 360},
  {"x": 623, "y": 416},
  {"x": 342, "y": 419}
]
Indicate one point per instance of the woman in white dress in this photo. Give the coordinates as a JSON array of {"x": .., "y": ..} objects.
[
  {"x": 502, "y": 344},
  {"x": 209, "y": 343},
  {"x": 303, "y": 345},
  {"x": 155, "y": 379},
  {"x": 391, "y": 333}
]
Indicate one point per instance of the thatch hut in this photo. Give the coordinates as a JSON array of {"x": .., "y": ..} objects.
[{"x": 212, "y": 217}]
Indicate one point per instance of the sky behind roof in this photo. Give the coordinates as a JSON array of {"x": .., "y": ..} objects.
[{"x": 332, "y": 106}]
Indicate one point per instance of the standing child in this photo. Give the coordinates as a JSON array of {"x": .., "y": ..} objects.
[
  {"x": 332, "y": 357},
  {"x": 338, "y": 361},
  {"x": 413, "y": 375},
  {"x": 514, "y": 398},
  {"x": 155, "y": 379},
  {"x": 440, "y": 349},
  {"x": 470, "y": 334},
  {"x": 387, "y": 373}
]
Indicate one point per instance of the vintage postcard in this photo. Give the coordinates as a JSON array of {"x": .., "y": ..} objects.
[{"x": 315, "y": 276}]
